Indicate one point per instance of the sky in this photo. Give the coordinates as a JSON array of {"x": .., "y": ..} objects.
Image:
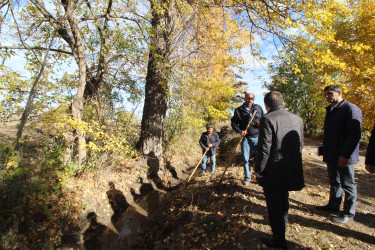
[{"x": 256, "y": 72}]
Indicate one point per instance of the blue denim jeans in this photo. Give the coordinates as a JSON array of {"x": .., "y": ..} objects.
[
  {"x": 213, "y": 163},
  {"x": 341, "y": 181},
  {"x": 247, "y": 145}
]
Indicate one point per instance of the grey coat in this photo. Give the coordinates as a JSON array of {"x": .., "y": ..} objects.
[{"x": 279, "y": 156}]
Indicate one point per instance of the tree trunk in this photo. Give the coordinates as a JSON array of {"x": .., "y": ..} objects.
[
  {"x": 30, "y": 100},
  {"x": 156, "y": 91},
  {"x": 79, "y": 56}
]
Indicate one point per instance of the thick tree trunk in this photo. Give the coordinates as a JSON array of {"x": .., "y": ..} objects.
[{"x": 156, "y": 91}]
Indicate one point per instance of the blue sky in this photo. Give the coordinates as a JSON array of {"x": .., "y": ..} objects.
[{"x": 256, "y": 72}]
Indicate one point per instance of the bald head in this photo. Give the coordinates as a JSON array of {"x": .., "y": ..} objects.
[{"x": 249, "y": 99}]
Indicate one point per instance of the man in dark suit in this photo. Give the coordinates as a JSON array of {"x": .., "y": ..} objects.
[
  {"x": 279, "y": 163},
  {"x": 342, "y": 133},
  {"x": 370, "y": 154}
]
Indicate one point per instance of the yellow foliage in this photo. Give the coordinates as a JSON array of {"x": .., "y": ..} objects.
[{"x": 339, "y": 45}]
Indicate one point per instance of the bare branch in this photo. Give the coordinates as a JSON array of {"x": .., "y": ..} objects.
[{"x": 36, "y": 48}]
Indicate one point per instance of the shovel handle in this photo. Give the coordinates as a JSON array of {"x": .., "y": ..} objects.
[
  {"x": 238, "y": 144},
  {"x": 197, "y": 166}
]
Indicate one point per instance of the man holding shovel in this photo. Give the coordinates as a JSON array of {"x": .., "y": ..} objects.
[
  {"x": 240, "y": 121},
  {"x": 209, "y": 141}
]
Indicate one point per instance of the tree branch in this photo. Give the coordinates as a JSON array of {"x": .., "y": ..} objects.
[{"x": 36, "y": 48}]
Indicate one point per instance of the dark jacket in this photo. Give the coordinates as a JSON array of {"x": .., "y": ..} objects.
[
  {"x": 241, "y": 119},
  {"x": 214, "y": 140},
  {"x": 342, "y": 133},
  {"x": 370, "y": 154},
  {"x": 279, "y": 156}
]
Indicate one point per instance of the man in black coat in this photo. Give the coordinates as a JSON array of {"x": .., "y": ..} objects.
[
  {"x": 342, "y": 133},
  {"x": 370, "y": 154},
  {"x": 279, "y": 163},
  {"x": 240, "y": 120}
]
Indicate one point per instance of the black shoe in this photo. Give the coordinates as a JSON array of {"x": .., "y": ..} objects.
[
  {"x": 342, "y": 219},
  {"x": 327, "y": 208},
  {"x": 274, "y": 244}
]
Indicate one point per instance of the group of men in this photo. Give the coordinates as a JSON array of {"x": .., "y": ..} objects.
[{"x": 277, "y": 140}]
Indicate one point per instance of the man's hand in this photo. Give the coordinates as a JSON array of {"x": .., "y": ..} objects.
[
  {"x": 258, "y": 175},
  {"x": 243, "y": 133},
  {"x": 370, "y": 168},
  {"x": 210, "y": 145},
  {"x": 343, "y": 162},
  {"x": 207, "y": 149}
]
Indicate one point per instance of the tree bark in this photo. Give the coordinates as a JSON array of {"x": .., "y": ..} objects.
[
  {"x": 75, "y": 43},
  {"x": 156, "y": 90},
  {"x": 79, "y": 55},
  {"x": 30, "y": 100}
]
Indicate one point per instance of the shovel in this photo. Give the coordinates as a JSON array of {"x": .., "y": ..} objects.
[{"x": 197, "y": 166}]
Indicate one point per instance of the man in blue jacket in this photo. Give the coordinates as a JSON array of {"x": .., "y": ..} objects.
[
  {"x": 342, "y": 133},
  {"x": 241, "y": 118},
  {"x": 209, "y": 141}
]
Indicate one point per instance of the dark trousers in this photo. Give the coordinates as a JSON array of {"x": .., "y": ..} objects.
[
  {"x": 341, "y": 179},
  {"x": 277, "y": 206}
]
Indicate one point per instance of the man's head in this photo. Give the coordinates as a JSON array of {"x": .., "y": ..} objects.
[
  {"x": 333, "y": 94},
  {"x": 273, "y": 99},
  {"x": 210, "y": 128},
  {"x": 249, "y": 99}
]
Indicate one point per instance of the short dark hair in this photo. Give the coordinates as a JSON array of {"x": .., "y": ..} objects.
[
  {"x": 334, "y": 87},
  {"x": 210, "y": 126},
  {"x": 273, "y": 99}
]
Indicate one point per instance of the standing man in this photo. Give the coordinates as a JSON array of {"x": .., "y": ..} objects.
[
  {"x": 240, "y": 120},
  {"x": 278, "y": 165},
  {"x": 209, "y": 141},
  {"x": 342, "y": 133},
  {"x": 370, "y": 154}
]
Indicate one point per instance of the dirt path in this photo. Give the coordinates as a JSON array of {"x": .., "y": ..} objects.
[{"x": 205, "y": 215}]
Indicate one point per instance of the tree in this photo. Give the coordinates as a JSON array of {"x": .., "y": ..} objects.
[
  {"x": 156, "y": 89},
  {"x": 340, "y": 47},
  {"x": 104, "y": 46},
  {"x": 300, "y": 88}
]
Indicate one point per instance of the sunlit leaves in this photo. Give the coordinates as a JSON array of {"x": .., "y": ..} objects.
[
  {"x": 300, "y": 88},
  {"x": 340, "y": 50}
]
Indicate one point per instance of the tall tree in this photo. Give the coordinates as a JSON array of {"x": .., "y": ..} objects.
[
  {"x": 156, "y": 89},
  {"x": 261, "y": 18},
  {"x": 340, "y": 49},
  {"x": 106, "y": 48},
  {"x": 75, "y": 43}
]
